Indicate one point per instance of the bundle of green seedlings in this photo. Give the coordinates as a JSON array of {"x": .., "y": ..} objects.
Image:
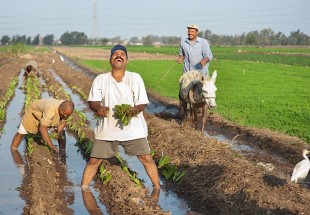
[{"x": 124, "y": 113}]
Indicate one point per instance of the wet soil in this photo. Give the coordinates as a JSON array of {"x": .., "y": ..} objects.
[{"x": 218, "y": 180}]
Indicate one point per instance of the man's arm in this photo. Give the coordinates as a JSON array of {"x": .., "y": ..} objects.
[
  {"x": 204, "y": 61},
  {"x": 207, "y": 53},
  {"x": 46, "y": 138},
  {"x": 61, "y": 135}
]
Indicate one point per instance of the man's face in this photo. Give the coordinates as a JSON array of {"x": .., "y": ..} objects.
[
  {"x": 63, "y": 114},
  {"x": 192, "y": 33},
  {"x": 118, "y": 59}
]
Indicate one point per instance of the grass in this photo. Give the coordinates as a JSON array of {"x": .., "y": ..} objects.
[
  {"x": 253, "y": 92},
  {"x": 281, "y": 55},
  {"x": 25, "y": 48},
  {"x": 173, "y": 50},
  {"x": 265, "y": 95}
]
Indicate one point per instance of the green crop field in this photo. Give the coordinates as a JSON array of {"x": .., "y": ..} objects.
[{"x": 260, "y": 87}]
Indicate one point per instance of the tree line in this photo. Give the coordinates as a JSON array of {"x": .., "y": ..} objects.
[{"x": 265, "y": 37}]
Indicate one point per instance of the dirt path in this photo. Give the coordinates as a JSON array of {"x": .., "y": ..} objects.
[
  {"x": 100, "y": 54},
  {"x": 218, "y": 179}
]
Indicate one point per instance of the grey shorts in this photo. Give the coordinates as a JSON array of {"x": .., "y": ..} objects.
[{"x": 107, "y": 149}]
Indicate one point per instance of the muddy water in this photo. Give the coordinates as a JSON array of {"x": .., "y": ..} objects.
[
  {"x": 11, "y": 165},
  {"x": 75, "y": 162}
]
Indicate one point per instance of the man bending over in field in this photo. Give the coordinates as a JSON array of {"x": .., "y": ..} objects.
[{"x": 41, "y": 115}]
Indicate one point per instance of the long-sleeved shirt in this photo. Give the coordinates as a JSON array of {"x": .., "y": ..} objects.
[{"x": 194, "y": 53}]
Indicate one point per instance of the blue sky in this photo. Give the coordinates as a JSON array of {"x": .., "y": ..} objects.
[{"x": 128, "y": 18}]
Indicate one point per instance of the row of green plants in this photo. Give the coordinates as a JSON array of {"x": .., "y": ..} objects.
[
  {"x": 20, "y": 48},
  {"x": 32, "y": 88},
  {"x": 80, "y": 92},
  {"x": 6, "y": 98}
]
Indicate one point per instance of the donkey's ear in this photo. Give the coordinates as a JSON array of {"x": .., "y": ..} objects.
[{"x": 214, "y": 75}]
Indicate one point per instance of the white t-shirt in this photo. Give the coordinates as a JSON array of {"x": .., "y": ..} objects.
[{"x": 130, "y": 91}]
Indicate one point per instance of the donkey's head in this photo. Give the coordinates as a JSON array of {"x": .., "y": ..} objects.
[{"x": 209, "y": 89}]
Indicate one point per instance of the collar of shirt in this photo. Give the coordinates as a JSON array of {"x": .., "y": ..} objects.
[{"x": 197, "y": 40}]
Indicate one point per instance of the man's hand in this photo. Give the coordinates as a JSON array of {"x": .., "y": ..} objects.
[
  {"x": 46, "y": 138},
  {"x": 103, "y": 111},
  {"x": 96, "y": 107},
  {"x": 180, "y": 59},
  {"x": 204, "y": 61},
  {"x": 133, "y": 112},
  {"x": 53, "y": 147}
]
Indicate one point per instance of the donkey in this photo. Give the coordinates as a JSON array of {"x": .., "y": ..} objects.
[{"x": 198, "y": 91}]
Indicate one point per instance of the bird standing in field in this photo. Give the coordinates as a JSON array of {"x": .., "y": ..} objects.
[{"x": 301, "y": 169}]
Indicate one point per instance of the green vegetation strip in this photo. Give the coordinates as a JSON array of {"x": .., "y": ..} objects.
[
  {"x": 173, "y": 50},
  {"x": 250, "y": 92}
]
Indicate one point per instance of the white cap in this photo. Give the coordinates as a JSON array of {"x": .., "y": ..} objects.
[{"x": 194, "y": 26}]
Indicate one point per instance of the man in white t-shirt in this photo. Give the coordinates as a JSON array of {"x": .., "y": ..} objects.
[{"x": 108, "y": 90}]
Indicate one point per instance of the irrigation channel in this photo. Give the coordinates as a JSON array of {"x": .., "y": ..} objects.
[{"x": 12, "y": 164}]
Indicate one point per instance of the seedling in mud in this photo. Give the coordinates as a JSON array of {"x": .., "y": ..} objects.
[
  {"x": 30, "y": 146},
  {"x": 9, "y": 93},
  {"x": 132, "y": 176},
  {"x": 170, "y": 170},
  {"x": 82, "y": 94},
  {"x": 163, "y": 161},
  {"x": 152, "y": 153},
  {"x": 105, "y": 176},
  {"x": 89, "y": 146},
  {"x": 2, "y": 114},
  {"x": 86, "y": 145},
  {"x": 178, "y": 176},
  {"x": 76, "y": 122}
]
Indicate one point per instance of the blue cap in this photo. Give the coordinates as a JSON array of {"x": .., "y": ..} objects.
[{"x": 118, "y": 47}]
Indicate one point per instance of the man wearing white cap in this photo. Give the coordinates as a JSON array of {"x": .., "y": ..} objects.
[{"x": 195, "y": 52}]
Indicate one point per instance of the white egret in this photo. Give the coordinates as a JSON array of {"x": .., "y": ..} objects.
[{"x": 301, "y": 169}]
